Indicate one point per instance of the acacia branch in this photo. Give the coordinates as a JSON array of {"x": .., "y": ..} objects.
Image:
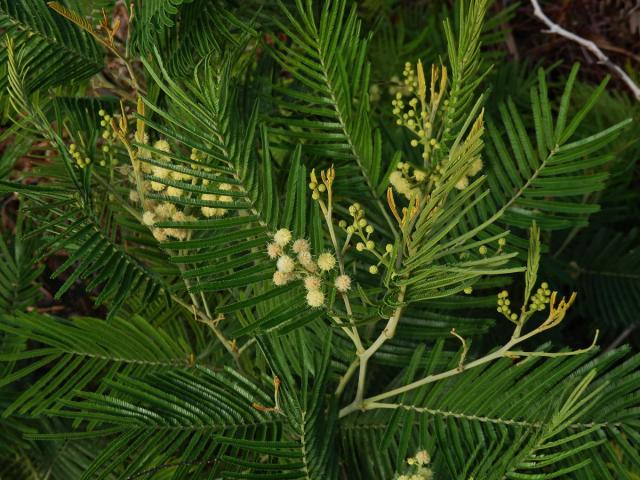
[
  {"x": 588, "y": 44},
  {"x": 556, "y": 315}
]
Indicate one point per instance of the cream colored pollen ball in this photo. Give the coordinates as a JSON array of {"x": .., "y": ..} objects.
[
  {"x": 282, "y": 237},
  {"x": 343, "y": 283},
  {"x": 326, "y": 261},
  {"x": 315, "y": 298}
]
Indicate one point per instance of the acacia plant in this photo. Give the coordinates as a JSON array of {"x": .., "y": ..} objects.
[{"x": 295, "y": 271}]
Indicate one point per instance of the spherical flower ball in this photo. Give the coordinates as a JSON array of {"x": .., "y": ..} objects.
[
  {"x": 475, "y": 167},
  {"x": 315, "y": 298},
  {"x": 157, "y": 186},
  {"x": 305, "y": 257},
  {"x": 285, "y": 264},
  {"x": 179, "y": 233},
  {"x": 180, "y": 176},
  {"x": 300, "y": 245},
  {"x": 326, "y": 261},
  {"x": 462, "y": 183},
  {"x": 419, "y": 175},
  {"x": 423, "y": 457},
  {"x": 159, "y": 171},
  {"x": 312, "y": 282},
  {"x": 399, "y": 183},
  {"x": 162, "y": 145},
  {"x": 210, "y": 211},
  {"x": 148, "y": 218},
  {"x": 306, "y": 260},
  {"x": 180, "y": 216},
  {"x": 282, "y": 237},
  {"x": 166, "y": 210},
  {"x": 133, "y": 196},
  {"x": 343, "y": 283},
  {"x": 174, "y": 191},
  {"x": 281, "y": 278},
  {"x": 160, "y": 234},
  {"x": 274, "y": 250}
]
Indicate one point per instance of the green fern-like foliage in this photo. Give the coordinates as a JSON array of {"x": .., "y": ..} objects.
[
  {"x": 57, "y": 53},
  {"x": 239, "y": 242}
]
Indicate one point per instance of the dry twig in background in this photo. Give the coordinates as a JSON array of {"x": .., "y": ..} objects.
[{"x": 588, "y": 44}]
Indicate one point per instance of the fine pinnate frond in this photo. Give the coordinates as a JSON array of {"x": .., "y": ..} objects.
[
  {"x": 540, "y": 418},
  {"x": 205, "y": 27},
  {"x": 152, "y": 19},
  {"x": 18, "y": 275},
  {"x": 442, "y": 262},
  {"x": 465, "y": 61},
  {"x": 72, "y": 220},
  {"x": 306, "y": 448},
  {"x": 77, "y": 353},
  {"x": 26, "y": 459},
  {"x": 175, "y": 419},
  {"x": 549, "y": 179},
  {"x": 606, "y": 267},
  {"x": 72, "y": 226},
  {"x": 233, "y": 158},
  {"x": 226, "y": 251},
  {"x": 328, "y": 106},
  {"x": 57, "y": 52}
]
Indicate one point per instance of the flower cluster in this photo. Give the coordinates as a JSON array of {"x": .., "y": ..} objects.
[
  {"x": 362, "y": 230},
  {"x": 407, "y": 85},
  {"x": 503, "y": 306},
  {"x": 420, "y": 115},
  {"x": 316, "y": 187},
  {"x": 105, "y": 123},
  {"x": 158, "y": 181},
  {"x": 155, "y": 211},
  {"x": 422, "y": 112},
  {"x": 294, "y": 261},
  {"x": 406, "y": 179},
  {"x": 418, "y": 467},
  {"x": 108, "y": 139},
  {"x": 538, "y": 303},
  {"x": 82, "y": 161},
  {"x": 213, "y": 197},
  {"x": 540, "y": 298},
  {"x": 81, "y": 155}
]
